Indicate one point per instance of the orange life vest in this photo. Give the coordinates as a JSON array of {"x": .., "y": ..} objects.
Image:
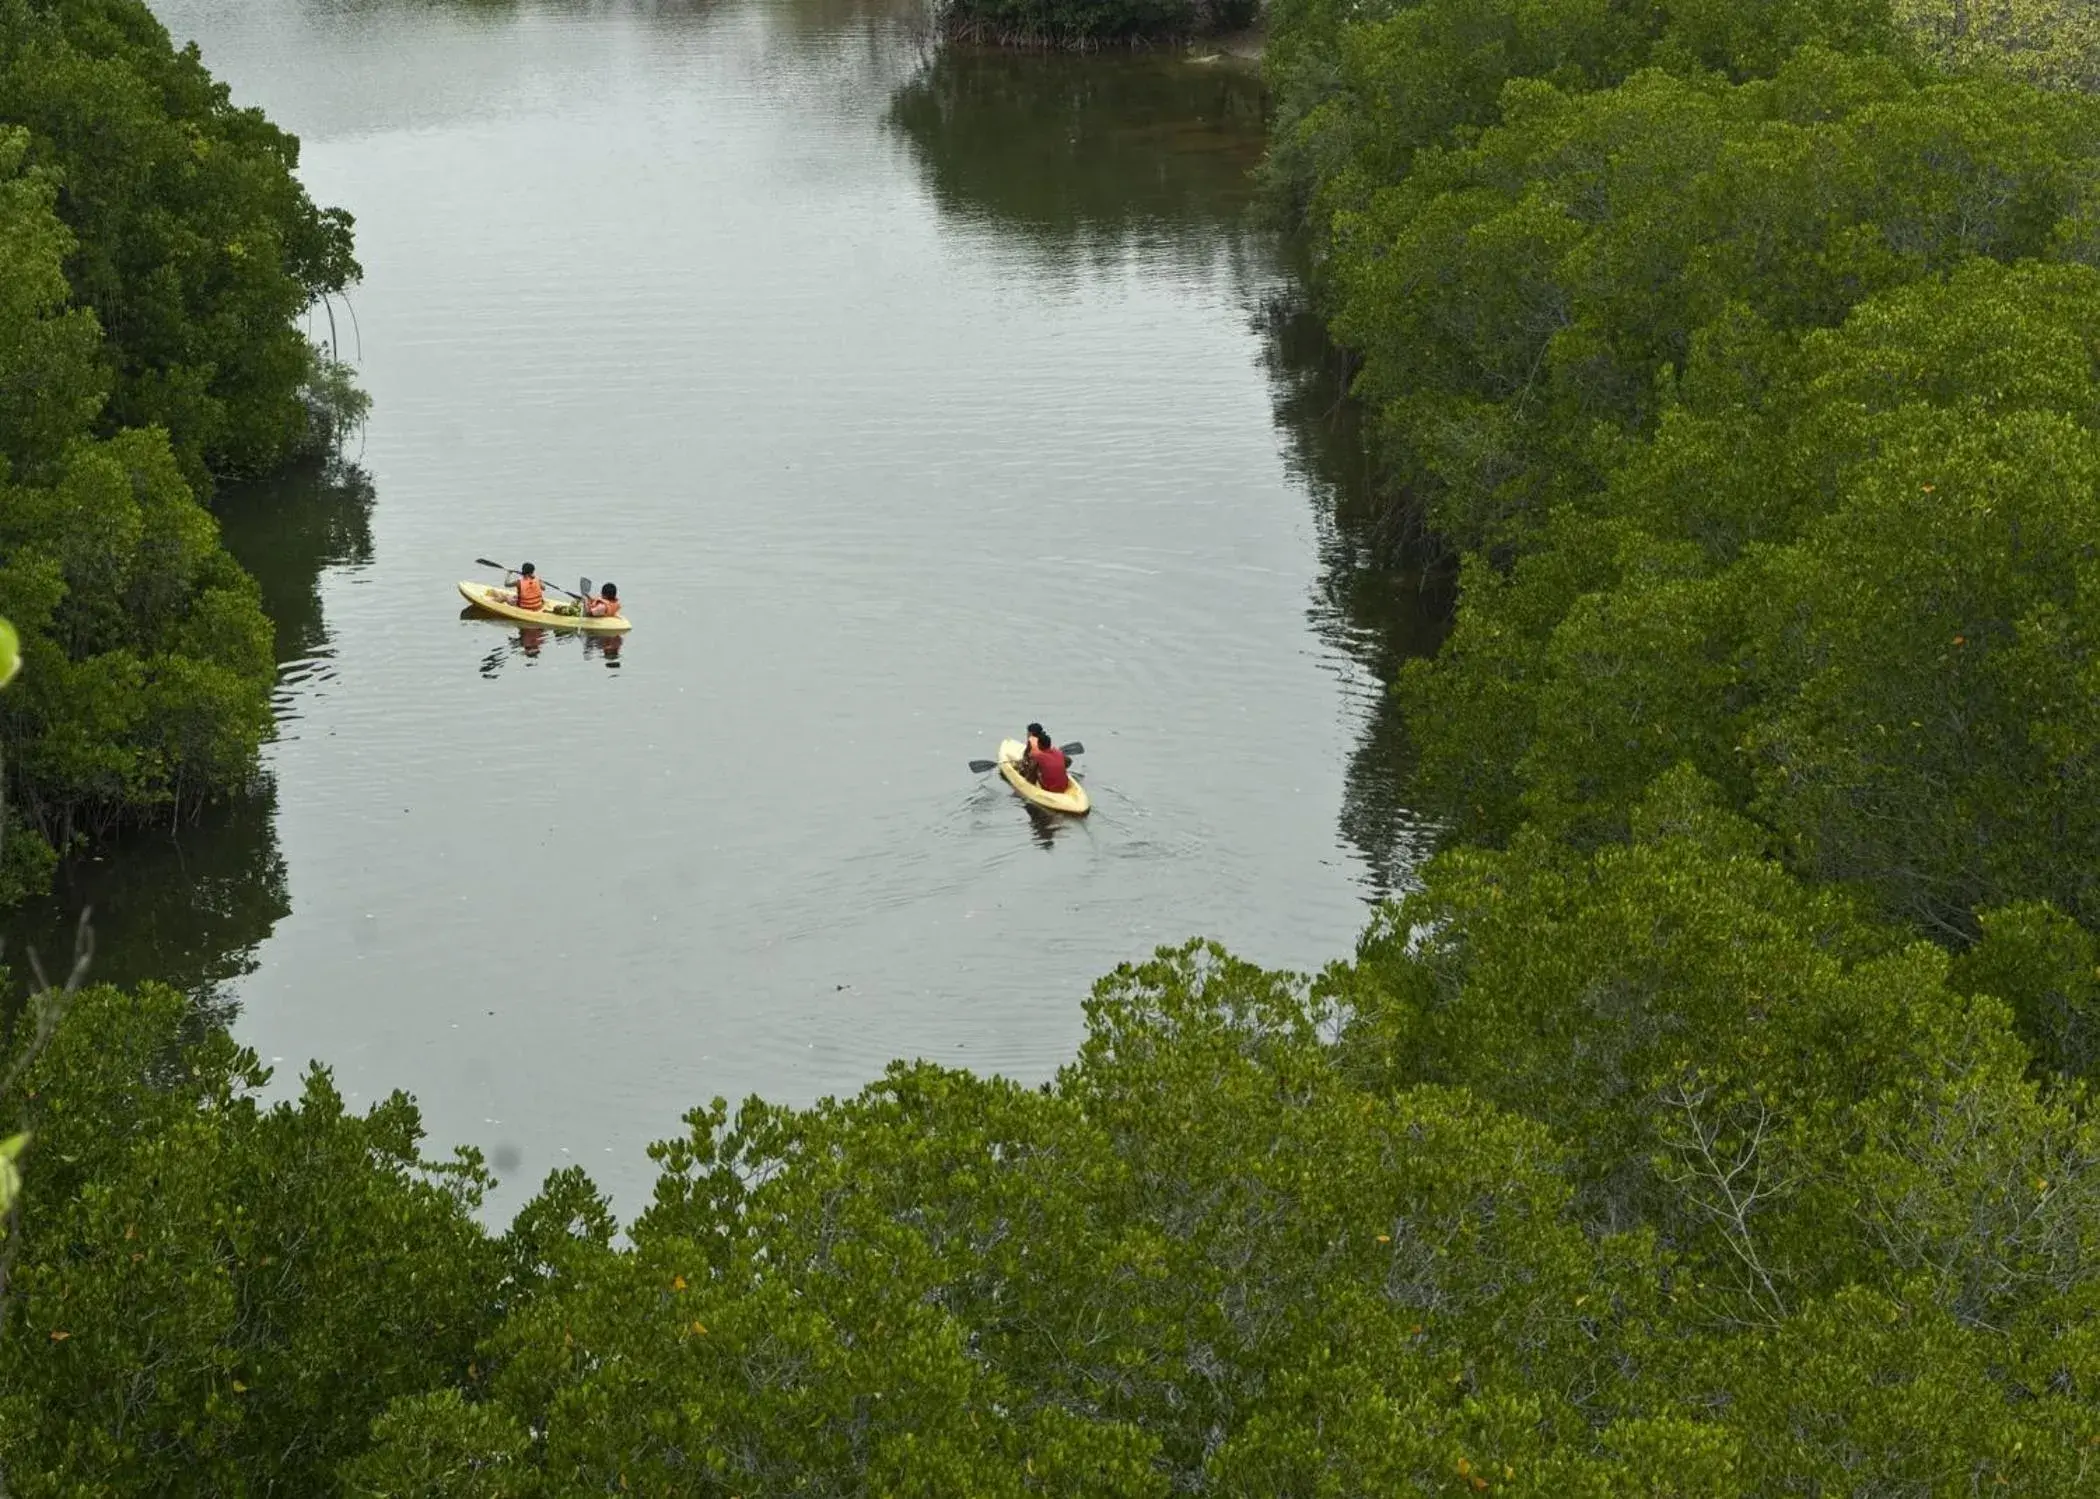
[
  {"x": 529, "y": 594},
  {"x": 604, "y": 608}
]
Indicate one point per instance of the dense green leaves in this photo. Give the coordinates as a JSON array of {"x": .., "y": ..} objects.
[
  {"x": 2054, "y": 43},
  {"x": 1515, "y": 301},
  {"x": 149, "y": 658},
  {"x": 208, "y": 1293},
  {"x": 156, "y": 252},
  {"x": 2047, "y": 968},
  {"x": 1653, "y": 1171},
  {"x": 1731, "y": 360},
  {"x": 192, "y": 242},
  {"x": 1750, "y": 372},
  {"x": 1175, "y": 1268},
  {"x": 1769, "y": 1082},
  {"x": 1362, "y": 88},
  {"x": 1851, "y": 578}
]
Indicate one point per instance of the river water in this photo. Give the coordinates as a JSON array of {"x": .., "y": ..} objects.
[{"x": 907, "y": 397}]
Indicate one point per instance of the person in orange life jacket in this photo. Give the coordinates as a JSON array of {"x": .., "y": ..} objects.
[
  {"x": 1043, "y": 762},
  {"x": 528, "y": 594},
  {"x": 605, "y": 604}
]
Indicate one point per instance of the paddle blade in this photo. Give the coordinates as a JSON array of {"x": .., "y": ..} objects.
[
  {"x": 981, "y": 766},
  {"x": 583, "y": 587},
  {"x": 484, "y": 562},
  {"x": 1074, "y": 748}
]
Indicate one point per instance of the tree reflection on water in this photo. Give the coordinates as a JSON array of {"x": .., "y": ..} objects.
[
  {"x": 189, "y": 905},
  {"x": 1088, "y": 161}
]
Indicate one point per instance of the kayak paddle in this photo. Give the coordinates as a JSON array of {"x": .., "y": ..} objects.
[
  {"x": 1074, "y": 748},
  {"x": 501, "y": 568}
]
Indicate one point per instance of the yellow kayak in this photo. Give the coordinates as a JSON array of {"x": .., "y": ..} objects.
[
  {"x": 1073, "y": 801},
  {"x": 488, "y": 596}
]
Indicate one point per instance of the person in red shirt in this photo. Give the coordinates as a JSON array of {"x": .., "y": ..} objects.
[{"x": 1043, "y": 762}]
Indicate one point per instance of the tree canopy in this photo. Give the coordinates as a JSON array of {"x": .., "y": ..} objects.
[
  {"x": 192, "y": 241},
  {"x": 1751, "y": 387},
  {"x": 156, "y": 252},
  {"x": 1655, "y": 1170},
  {"x": 148, "y": 655}
]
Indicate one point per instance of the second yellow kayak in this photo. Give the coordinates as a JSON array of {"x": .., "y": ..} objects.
[
  {"x": 488, "y": 596},
  {"x": 1073, "y": 801}
]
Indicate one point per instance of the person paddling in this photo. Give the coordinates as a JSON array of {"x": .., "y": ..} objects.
[
  {"x": 605, "y": 603},
  {"x": 1043, "y": 762},
  {"x": 528, "y": 594}
]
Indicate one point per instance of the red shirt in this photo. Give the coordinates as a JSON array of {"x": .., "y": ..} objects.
[{"x": 1050, "y": 769}]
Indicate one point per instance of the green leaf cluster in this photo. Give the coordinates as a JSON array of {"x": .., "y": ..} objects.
[
  {"x": 1851, "y": 578},
  {"x": 148, "y": 657},
  {"x": 2053, "y": 43},
  {"x": 1361, "y": 88},
  {"x": 192, "y": 241},
  {"x": 156, "y": 252},
  {"x": 1653, "y": 1170},
  {"x": 1747, "y": 370},
  {"x": 1517, "y": 300},
  {"x": 211, "y": 1294}
]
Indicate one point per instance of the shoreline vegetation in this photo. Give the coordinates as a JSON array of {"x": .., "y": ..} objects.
[
  {"x": 160, "y": 256},
  {"x": 1714, "y": 1115}
]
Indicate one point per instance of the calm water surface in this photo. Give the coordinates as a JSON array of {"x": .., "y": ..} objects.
[{"x": 906, "y": 399}]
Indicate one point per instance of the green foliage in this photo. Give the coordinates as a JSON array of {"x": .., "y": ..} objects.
[
  {"x": 24, "y": 862},
  {"x": 1198, "y": 1255},
  {"x": 1738, "y": 374},
  {"x": 26, "y": 865},
  {"x": 1744, "y": 1064},
  {"x": 192, "y": 241},
  {"x": 439, "y": 1446},
  {"x": 149, "y": 662},
  {"x": 1885, "y": 1393},
  {"x": 1516, "y": 300},
  {"x": 211, "y": 1294},
  {"x": 1721, "y": 344},
  {"x": 1361, "y": 89},
  {"x": 2052, "y": 43},
  {"x": 1850, "y": 578},
  {"x": 2047, "y": 968},
  {"x": 1930, "y": 651},
  {"x": 1653, "y": 1171},
  {"x": 10, "y": 1174}
]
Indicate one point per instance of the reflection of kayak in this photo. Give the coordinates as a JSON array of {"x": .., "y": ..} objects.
[
  {"x": 485, "y": 596},
  {"x": 1073, "y": 801}
]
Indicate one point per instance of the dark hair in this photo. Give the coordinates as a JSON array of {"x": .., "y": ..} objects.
[
  {"x": 609, "y": 591},
  {"x": 524, "y": 569},
  {"x": 1040, "y": 732}
]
